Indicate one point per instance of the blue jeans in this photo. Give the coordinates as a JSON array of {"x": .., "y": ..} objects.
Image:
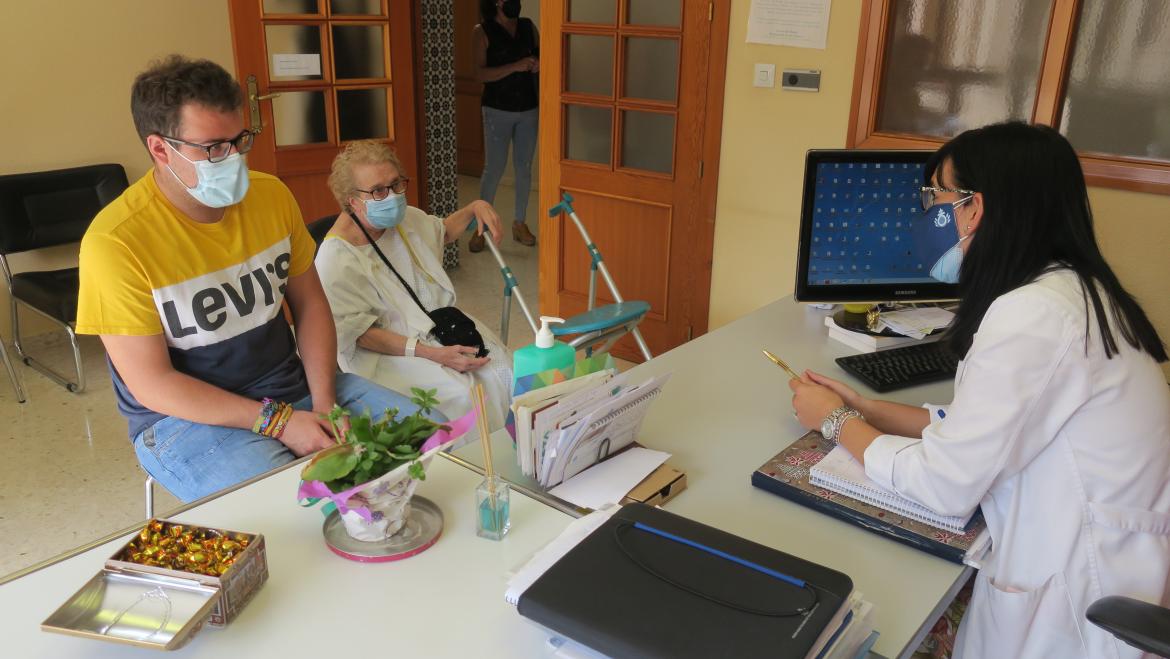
[
  {"x": 193, "y": 460},
  {"x": 501, "y": 128}
]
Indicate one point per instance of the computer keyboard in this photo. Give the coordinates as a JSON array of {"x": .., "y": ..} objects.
[{"x": 898, "y": 368}]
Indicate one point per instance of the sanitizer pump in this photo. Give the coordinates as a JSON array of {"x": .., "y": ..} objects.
[{"x": 547, "y": 353}]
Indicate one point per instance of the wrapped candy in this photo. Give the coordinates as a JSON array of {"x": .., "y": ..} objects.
[{"x": 176, "y": 547}]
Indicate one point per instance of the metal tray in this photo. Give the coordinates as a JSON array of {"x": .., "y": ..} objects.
[
  {"x": 146, "y": 610},
  {"x": 424, "y": 525}
]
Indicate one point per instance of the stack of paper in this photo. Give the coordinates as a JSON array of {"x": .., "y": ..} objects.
[
  {"x": 539, "y": 405},
  {"x": 573, "y": 432},
  {"x": 869, "y": 342},
  {"x": 856, "y": 636},
  {"x": 915, "y": 323}
]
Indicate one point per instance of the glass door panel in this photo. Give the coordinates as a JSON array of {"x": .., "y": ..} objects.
[
  {"x": 362, "y": 113},
  {"x": 590, "y": 64},
  {"x": 294, "y": 52},
  {"x": 359, "y": 51},
  {"x": 593, "y": 11},
  {"x": 587, "y": 133},
  {"x": 648, "y": 141},
  {"x": 356, "y": 7},
  {"x": 666, "y": 13},
  {"x": 291, "y": 7},
  {"x": 651, "y": 67},
  {"x": 300, "y": 118}
]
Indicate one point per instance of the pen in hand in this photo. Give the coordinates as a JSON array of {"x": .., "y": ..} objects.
[{"x": 780, "y": 362}]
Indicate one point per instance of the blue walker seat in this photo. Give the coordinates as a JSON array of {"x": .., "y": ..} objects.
[{"x": 603, "y": 318}]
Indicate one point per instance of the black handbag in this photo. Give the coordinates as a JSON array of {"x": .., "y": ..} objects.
[{"x": 452, "y": 326}]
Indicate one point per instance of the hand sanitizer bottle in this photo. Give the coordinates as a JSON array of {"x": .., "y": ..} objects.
[{"x": 547, "y": 353}]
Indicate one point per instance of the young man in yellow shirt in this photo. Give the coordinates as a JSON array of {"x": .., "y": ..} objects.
[{"x": 184, "y": 276}]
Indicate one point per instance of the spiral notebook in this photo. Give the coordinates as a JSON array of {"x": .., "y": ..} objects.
[
  {"x": 604, "y": 424},
  {"x": 788, "y": 475},
  {"x": 839, "y": 472}
]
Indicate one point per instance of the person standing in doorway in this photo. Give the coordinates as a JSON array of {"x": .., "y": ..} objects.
[{"x": 507, "y": 59}]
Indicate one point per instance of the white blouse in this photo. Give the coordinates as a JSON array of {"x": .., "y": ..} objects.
[{"x": 1068, "y": 455}]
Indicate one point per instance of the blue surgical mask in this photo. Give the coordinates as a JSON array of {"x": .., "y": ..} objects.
[
  {"x": 946, "y": 268},
  {"x": 386, "y": 213},
  {"x": 221, "y": 184}
]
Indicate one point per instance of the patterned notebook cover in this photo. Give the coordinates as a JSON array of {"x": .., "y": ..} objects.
[{"x": 787, "y": 475}]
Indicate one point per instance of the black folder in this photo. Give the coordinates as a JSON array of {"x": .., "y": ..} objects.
[{"x": 628, "y": 592}]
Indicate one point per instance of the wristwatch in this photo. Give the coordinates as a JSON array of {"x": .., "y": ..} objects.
[
  {"x": 411, "y": 344},
  {"x": 831, "y": 426}
]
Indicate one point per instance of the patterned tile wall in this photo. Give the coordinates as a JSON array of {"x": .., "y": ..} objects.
[{"x": 438, "y": 47}]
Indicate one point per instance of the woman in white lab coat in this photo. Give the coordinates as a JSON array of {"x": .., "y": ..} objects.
[
  {"x": 1060, "y": 424},
  {"x": 382, "y": 332}
]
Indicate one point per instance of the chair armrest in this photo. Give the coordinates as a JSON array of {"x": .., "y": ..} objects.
[{"x": 1141, "y": 624}]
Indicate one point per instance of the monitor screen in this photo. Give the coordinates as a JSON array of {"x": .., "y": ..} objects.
[{"x": 864, "y": 236}]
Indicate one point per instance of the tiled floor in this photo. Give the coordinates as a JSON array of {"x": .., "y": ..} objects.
[{"x": 69, "y": 474}]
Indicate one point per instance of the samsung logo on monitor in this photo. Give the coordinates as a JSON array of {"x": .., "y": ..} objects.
[{"x": 911, "y": 291}]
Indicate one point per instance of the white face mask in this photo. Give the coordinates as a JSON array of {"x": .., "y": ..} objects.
[{"x": 220, "y": 184}]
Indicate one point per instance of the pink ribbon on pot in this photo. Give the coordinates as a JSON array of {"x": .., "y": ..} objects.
[{"x": 314, "y": 491}]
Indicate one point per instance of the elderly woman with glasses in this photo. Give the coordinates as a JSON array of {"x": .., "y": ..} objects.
[{"x": 381, "y": 269}]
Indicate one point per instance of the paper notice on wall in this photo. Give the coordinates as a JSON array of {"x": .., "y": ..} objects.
[
  {"x": 291, "y": 64},
  {"x": 799, "y": 23}
]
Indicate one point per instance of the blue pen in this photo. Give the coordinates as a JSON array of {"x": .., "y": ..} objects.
[{"x": 799, "y": 583}]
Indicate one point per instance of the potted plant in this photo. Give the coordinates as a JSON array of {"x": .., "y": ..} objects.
[{"x": 373, "y": 470}]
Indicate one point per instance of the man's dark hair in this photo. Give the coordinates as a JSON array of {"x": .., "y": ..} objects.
[{"x": 160, "y": 92}]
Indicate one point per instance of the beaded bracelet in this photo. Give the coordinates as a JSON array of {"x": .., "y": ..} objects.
[
  {"x": 286, "y": 413},
  {"x": 268, "y": 408}
]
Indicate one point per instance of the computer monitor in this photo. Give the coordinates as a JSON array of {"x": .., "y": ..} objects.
[{"x": 864, "y": 236}]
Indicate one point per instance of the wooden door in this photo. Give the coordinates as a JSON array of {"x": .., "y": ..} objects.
[
  {"x": 631, "y": 109},
  {"x": 468, "y": 120},
  {"x": 319, "y": 73}
]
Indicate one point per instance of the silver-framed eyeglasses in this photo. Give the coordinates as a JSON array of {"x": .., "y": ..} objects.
[
  {"x": 928, "y": 193},
  {"x": 219, "y": 151},
  {"x": 380, "y": 192}
]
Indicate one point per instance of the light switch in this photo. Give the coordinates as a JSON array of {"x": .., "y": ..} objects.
[{"x": 765, "y": 75}]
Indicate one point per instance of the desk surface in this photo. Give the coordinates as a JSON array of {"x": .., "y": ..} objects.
[
  {"x": 316, "y": 603},
  {"x": 726, "y": 411}
]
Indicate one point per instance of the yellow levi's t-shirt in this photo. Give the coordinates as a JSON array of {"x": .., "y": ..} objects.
[{"x": 213, "y": 291}]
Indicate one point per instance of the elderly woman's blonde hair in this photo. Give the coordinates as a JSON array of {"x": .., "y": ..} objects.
[{"x": 360, "y": 152}]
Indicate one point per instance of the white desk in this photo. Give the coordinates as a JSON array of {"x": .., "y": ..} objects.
[
  {"x": 726, "y": 411},
  {"x": 445, "y": 602}
]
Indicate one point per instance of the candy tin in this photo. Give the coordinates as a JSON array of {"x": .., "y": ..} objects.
[{"x": 162, "y": 586}]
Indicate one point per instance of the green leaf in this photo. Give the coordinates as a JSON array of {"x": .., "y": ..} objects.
[
  {"x": 417, "y": 471},
  {"x": 359, "y": 429},
  {"x": 332, "y": 466}
]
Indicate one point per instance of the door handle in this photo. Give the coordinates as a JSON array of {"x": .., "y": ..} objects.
[{"x": 254, "y": 98}]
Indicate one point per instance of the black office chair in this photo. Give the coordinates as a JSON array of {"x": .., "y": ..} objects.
[
  {"x": 46, "y": 209},
  {"x": 319, "y": 227},
  {"x": 1143, "y": 625}
]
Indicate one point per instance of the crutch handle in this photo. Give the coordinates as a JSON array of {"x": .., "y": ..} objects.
[{"x": 566, "y": 206}]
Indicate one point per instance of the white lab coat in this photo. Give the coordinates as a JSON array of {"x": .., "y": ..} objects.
[
  {"x": 1068, "y": 455},
  {"x": 363, "y": 293}
]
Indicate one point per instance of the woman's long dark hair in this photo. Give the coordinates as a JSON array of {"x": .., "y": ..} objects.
[
  {"x": 487, "y": 10},
  {"x": 1035, "y": 213}
]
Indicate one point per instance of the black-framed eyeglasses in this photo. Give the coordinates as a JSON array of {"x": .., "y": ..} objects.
[
  {"x": 928, "y": 193},
  {"x": 380, "y": 192},
  {"x": 219, "y": 151}
]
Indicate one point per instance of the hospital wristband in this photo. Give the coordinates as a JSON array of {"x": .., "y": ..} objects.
[{"x": 411, "y": 344}]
